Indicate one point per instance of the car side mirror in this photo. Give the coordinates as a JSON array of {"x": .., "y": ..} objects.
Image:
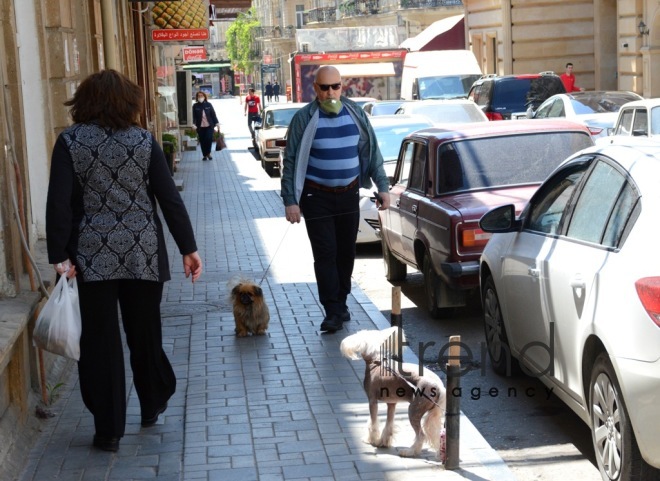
[
  {"x": 500, "y": 219},
  {"x": 610, "y": 131}
]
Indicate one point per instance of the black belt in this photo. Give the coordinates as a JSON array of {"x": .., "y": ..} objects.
[{"x": 334, "y": 190}]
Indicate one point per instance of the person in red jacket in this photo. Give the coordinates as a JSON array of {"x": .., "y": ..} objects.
[
  {"x": 568, "y": 79},
  {"x": 252, "y": 108}
]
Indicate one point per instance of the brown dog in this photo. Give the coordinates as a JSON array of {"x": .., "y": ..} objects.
[
  {"x": 250, "y": 310},
  {"x": 383, "y": 382}
]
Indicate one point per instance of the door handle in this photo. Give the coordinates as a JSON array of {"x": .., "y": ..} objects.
[
  {"x": 398, "y": 201},
  {"x": 414, "y": 208},
  {"x": 534, "y": 272}
]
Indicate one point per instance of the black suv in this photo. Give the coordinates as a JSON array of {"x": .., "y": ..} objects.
[{"x": 504, "y": 97}]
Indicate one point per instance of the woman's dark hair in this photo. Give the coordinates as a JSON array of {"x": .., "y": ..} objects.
[{"x": 108, "y": 98}]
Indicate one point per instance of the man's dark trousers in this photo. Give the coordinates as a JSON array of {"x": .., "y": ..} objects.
[{"x": 332, "y": 221}]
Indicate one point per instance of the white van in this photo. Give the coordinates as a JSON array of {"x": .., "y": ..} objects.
[{"x": 438, "y": 74}]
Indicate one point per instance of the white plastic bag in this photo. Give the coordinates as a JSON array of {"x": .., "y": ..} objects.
[{"x": 58, "y": 326}]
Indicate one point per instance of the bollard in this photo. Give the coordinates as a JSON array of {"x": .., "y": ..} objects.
[
  {"x": 453, "y": 414},
  {"x": 395, "y": 317}
]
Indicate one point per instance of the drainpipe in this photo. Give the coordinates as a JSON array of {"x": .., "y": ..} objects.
[{"x": 109, "y": 29}]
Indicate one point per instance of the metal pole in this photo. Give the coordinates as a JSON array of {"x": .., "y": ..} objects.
[
  {"x": 453, "y": 414},
  {"x": 395, "y": 317}
]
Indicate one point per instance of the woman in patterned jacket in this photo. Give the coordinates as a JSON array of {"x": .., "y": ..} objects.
[{"x": 107, "y": 174}]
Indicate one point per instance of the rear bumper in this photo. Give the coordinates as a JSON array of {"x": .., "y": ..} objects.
[{"x": 455, "y": 270}]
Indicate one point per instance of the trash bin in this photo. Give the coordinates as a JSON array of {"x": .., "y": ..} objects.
[{"x": 168, "y": 149}]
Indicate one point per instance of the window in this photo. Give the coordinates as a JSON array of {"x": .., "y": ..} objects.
[
  {"x": 625, "y": 126},
  {"x": 417, "y": 170},
  {"x": 409, "y": 150},
  {"x": 640, "y": 123},
  {"x": 603, "y": 208},
  {"x": 299, "y": 16},
  {"x": 549, "y": 204}
]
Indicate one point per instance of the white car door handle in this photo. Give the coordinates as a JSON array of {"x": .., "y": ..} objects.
[
  {"x": 414, "y": 209},
  {"x": 534, "y": 272}
]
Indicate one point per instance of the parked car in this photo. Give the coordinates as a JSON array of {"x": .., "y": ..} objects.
[
  {"x": 382, "y": 107},
  {"x": 275, "y": 120},
  {"x": 390, "y": 131},
  {"x": 571, "y": 290},
  {"x": 446, "y": 179},
  {"x": 505, "y": 97},
  {"x": 454, "y": 111},
  {"x": 362, "y": 101},
  {"x": 640, "y": 119},
  {"x": 597, "y": 109}
]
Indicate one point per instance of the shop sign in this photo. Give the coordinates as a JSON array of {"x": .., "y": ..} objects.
[
  {"x": 179, "y": 34},
  {"x": 193, "y": 54}
]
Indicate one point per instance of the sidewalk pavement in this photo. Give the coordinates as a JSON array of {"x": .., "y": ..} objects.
[{"x": 285, "y": 406}]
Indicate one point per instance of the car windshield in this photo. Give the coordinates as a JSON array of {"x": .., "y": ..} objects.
[
  {"x": 655, "y": 121},
  {"x": 280, "y": 118},
  {"x": 390, "y": 137},
  {"x": 596, "y": 104},
  {"x": 445, "y": 87},
  {"x": 491, "y": 162}
]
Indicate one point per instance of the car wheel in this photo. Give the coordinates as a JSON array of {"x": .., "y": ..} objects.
[
  {"x": 617, "y": 453},
  {"x": 395, "y": 270},
  {"x": 497, "y": 340},
  {"x": 431, "y": 287}
]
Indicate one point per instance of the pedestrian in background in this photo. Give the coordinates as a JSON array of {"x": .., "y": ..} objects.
[
  {"x": 205, "y": 122},
  {"x": 276, "y": 91},
  {"x": 568, "y": 79},
  {"x": 102, "y": 226},
  {"x": 269, "y": 92},
  {"x": 331, "y": 152},
  {"x": 251, "y": 109}
]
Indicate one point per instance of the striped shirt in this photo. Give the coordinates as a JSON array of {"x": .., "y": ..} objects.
[{"x": 333, "y": 158}]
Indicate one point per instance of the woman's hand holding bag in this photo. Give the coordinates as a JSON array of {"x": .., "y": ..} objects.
[{"x": 59, "y": 326}]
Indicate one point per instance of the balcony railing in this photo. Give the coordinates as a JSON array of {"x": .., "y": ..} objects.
[
  {"x": 320, "y": 15},
  {"x": 275, "y": 32},
  {"x": 353, "y": 8}
]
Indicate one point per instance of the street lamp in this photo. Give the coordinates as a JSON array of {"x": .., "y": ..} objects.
[{"x": 643, "y": 29}]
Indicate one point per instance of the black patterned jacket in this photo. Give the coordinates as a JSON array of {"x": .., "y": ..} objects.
[{"x": 101, "y": 210}]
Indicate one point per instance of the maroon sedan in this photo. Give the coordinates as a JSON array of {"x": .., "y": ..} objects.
[{"x": 447, "y": 178}]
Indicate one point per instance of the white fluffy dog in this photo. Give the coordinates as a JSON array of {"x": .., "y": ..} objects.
[{"x": 392, "y": 382}]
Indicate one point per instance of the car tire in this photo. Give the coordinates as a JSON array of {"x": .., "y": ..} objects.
[
  {"x": 431, "y": 288},
  {"x": 497, "y": 340},
  {"x": 395, "y": 270},
  {"x": 611, "y": 431}
]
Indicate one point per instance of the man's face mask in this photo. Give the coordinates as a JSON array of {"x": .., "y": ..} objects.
[{"x": 330, "y": 106}]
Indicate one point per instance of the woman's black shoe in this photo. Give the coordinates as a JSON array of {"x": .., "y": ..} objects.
[
  {"x": 106, "y": 443},
  {"x": 151, "y": 420}
]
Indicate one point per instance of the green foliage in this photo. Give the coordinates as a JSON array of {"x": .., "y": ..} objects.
[
  {"x": 240, "y": 37},
  {"x": 192, "y": 133},
  {"x": 169, "y": 138},
  {"x": 53, "y": 393}
]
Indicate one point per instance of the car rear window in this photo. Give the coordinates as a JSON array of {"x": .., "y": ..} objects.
[
  {"x": 515, "y": 94},
  {"x": 507, "y": 160}
]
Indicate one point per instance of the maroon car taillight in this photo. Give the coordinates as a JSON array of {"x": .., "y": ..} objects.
[
  {"x": 472, "y": 239},
  {"x": 594, "y": 130},
  {"x": 648, "y": 290}
]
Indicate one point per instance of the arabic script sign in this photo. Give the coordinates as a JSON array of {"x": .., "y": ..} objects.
[{"x": 180, "y": 34}]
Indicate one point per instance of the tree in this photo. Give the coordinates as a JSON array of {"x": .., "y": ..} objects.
[{"x": 240, "y": 36}]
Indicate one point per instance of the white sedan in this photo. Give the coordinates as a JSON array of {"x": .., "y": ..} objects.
[
  {"x": 390, "y": 131},
  {"x": 597, "y": 110},
  {"x": 571, "y": 293},
  {"x": 276, "y": 120},
  {"x": 450, "y": 111}
]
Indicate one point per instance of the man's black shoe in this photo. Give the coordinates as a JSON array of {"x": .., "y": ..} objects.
[
  {"x": 345, "y": 316},
  {"x": 151, "y": 420},
  {"x": 106, "y": 443},
  {"x": 332, "y": 323}
]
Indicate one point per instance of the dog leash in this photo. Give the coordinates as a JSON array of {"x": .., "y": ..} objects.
[{"x": 412, "y": 386}]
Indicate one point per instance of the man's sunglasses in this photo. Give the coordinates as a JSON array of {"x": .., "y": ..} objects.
[{"x": 326, "y": 87}]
